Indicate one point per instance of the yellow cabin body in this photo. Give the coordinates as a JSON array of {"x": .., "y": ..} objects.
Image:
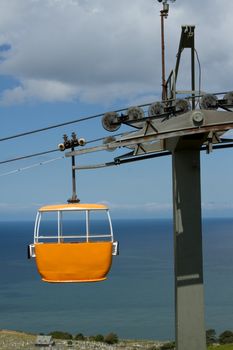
[
  {"x": 73, "y": 262},
  {"x": 73, "y": 258}
]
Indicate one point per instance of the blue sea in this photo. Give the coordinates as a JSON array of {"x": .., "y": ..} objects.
[{"x": 136, "y": 301}]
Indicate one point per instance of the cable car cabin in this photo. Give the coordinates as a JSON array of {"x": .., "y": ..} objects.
[{"x": 64, "y": 255}]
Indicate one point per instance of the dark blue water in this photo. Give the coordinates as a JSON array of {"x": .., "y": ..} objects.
[{"x": 137, "y": 299}]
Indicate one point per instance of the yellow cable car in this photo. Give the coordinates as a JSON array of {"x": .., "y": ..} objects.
[{"x": 62, "y": 257}]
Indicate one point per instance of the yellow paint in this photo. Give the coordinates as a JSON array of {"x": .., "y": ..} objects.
[
  {"x": 73, "y": 262},
  {"x": 73, "y": 206}
]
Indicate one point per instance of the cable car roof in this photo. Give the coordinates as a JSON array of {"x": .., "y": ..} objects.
[{"x": 72, "y": 207}]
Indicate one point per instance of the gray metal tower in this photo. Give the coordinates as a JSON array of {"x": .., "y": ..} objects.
[{"x": 181, "y": 127}]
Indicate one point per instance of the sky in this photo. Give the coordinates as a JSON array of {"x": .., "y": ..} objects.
[{"x": 61, "y": 60}]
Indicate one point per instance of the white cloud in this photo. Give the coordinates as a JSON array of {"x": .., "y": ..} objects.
[
  {"x": 17, "y": 207},
  {"x": 32, "y": 89},
  {"x": 101, "y": 51},
  {"x": 160, "y": 208},
  {"x": 217, "y": 206},
  {"x": 144, "y": 207}
]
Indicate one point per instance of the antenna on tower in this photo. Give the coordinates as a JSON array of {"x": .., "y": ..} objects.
[{"x": 164, "y": 15}]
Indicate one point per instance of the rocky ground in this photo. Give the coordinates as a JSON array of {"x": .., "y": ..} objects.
[{"x": 12, "y": 340}]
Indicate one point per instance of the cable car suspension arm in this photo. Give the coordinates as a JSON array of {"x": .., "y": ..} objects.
[
  {"x": 130, "y": 158},
  {"x": 190, "y": 123}
]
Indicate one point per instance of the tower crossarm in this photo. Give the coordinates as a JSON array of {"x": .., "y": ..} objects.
[{"x": 155, "y": 136}]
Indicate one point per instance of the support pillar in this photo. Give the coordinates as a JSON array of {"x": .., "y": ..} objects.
[{"x": 189, "y": 290}]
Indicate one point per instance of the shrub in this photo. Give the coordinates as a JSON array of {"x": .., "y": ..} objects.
[
  {"x": 99, "y": 338},
  {"x": 226, "y": 337},
  {"x": 61, "y": 335},
  {"x": 79, "y": 336},
  {"x": 211, "y": 337},
  {"x": 168, "y": 346},
  {"x": 111, "y": 338}
]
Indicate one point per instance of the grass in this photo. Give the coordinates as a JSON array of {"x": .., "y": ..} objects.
[{"x": 221, "y": 347}]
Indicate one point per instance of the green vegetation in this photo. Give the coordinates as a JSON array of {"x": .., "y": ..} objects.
[
  {"x": 20, "y": 340},
  {"x": 226, "y": 337},
  {"x": 61, "y": 335},
  {"x": 221, "y": 347},
  {"x": 98, "y": 338},
  {"x": 211, "y": 337},
  {"x": 168, "y": 346},
  {"x": 111, "y": 338},
  {"x": 222, "y": 342},
  {"x": 165, "y": 346},
  {"x": 79, "y": 336}
]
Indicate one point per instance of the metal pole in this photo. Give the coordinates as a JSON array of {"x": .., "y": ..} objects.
[
  {"x": 163, "y": 14},
  {"x": 193, "y": 73},
  {"x": 189, "y": 290},
  {"x": 74, "y": 198}
]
